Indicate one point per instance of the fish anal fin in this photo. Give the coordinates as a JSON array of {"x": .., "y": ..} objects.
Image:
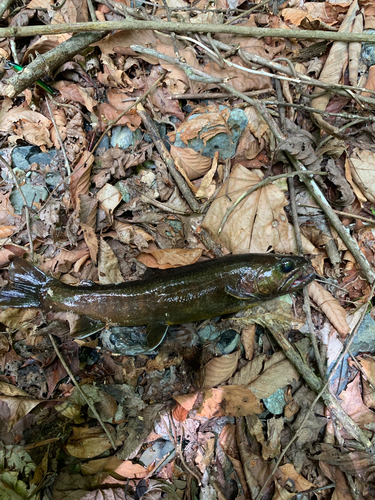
[
  {"x": 83, "y": 326},
  {"x": 155, "y": 334}
]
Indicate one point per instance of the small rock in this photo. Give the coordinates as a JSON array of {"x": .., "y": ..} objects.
[
  {"x": 32, "y": 194},
  {"x": 21, "y": 156},
  {"x": 276, "y": 402}
]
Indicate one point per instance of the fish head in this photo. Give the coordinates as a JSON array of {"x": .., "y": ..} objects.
[
  {"x": 284, "y": 275},
  {"x": 273, "y": 275}
]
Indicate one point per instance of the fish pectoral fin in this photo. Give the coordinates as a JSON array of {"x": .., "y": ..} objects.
[
  {"x": 155, "y": 334},
  {"x": 240, "y": 294},
  {"x": 84, "y": 326}
]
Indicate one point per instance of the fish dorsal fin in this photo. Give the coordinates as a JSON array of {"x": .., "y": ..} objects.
[{"x": 155, "y": 334}]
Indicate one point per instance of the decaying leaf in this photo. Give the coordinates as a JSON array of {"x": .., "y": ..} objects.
[
  {"x": 34, "y": 127},
  {"x": 220, "y": 369},
  {"x": 330, "y": 306},
  {"x": 264, "y": 376},
  {"x": 170, "y": 257},
  {"x": 109, "y": 271},
  {"x": 109, "y": 197},
  {"x": 88, "y": 442},
  {"x": 114, "y": 466},
  {"x": 194, "y": 164},
  {"x": 232, "y": 401},
  {"x": 362, "y": 167},
  {"x": 80, "y": 180},
  {"x": 258, "y": 222}
]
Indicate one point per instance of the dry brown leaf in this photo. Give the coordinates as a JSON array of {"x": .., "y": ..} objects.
[
  {"x": 258, "y": 223},
  {"x": 264, "y": 376},
  {"x": 335, "y": 64},
  {"x": 18, "y": 407},
  {"x": 331, "y": 307},
  {"x": 91, "y": 241},
  {"x": 44, "y": 4},
  {"x": 60, "y": 120},
  {"x": 6, "y": 231},
  {"x": 230, "y": 401},
  {"x": 170, "y": 257},
  {"x": 219, "y": 370},
  {"x": 44, "y": 44},
  {"x": 76, "y": 93},
  {"x": 109, "y": 197},
  {"x": 11, "y": 390},
  {"x": 114, "y": 466},
  {"x": 353, "y": 405},
  {"x": 247, "y": 339},
  {"x": 355, "y": 51},
  {"x": 109, "y": 271},
  {"x": 132, "y": 235},
  {"x": 194, "y": 164},
  {"x": 87, "y": 442},
  {"x": 207, "y": 179},
  {"x": 362, "y": 167},
  {"x": 33, "y": 126},
  {"x": 80, "y": 180}
]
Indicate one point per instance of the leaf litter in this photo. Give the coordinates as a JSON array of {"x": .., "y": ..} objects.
[{"x": 221, "y": 409}]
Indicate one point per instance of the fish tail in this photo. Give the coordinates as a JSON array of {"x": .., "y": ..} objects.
[{"x": 26, "y": 285}]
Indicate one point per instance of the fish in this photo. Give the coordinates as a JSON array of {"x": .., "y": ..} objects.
[{"x": 174, "y": 296}]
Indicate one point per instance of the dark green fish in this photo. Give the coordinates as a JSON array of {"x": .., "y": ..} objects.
[{"x": 180, "y": 295}]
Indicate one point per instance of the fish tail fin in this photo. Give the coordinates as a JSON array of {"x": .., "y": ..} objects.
[{"x": 26, "y": 283}]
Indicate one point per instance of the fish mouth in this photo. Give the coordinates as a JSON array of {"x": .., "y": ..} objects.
[{"x": 299, "y": 278}]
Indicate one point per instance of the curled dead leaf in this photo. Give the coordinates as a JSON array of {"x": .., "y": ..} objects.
[
  {"x": 331, "y": 307},
  {"x": 194, "y": 164},
  {"x": 220, "y": 369},
  {"x": 80, "y": 180}
]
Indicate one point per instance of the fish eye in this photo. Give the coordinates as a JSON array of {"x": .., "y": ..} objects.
[{"x": 287, "y": 265}]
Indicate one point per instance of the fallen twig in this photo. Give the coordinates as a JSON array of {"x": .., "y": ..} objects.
[
  {"x": 79, "y": 389},
  {"x": 54, "y": 29}
]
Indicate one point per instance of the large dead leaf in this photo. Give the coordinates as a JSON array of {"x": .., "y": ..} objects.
[
  {"x": 114, "y": 466},
  {"x": 258, "y": 223},
  {"x": 331, "y": 307},
  {"x": 194, "y": 164},
  {"x": 170, "y": 257},
  {"x": 76, "y": 93},
  {"x": 18, "y": 407},
  {"x": 231, "y": 401},
  {"x": 353, "y": 405},
  {"x": 33, "y": 126},
  {"x": 109, "y": 197},
  {"x": 263, "y": 377},
  {"x": 88, "y": 442},
  {"x": 362, "y": 167},
  {"x": 220, "y": 369}
]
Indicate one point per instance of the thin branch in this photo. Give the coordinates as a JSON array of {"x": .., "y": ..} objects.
[
  {"x": 167, "y": 159},
  {"x": 79, "y": 389},
  {"x": 249, "y": 31}
]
